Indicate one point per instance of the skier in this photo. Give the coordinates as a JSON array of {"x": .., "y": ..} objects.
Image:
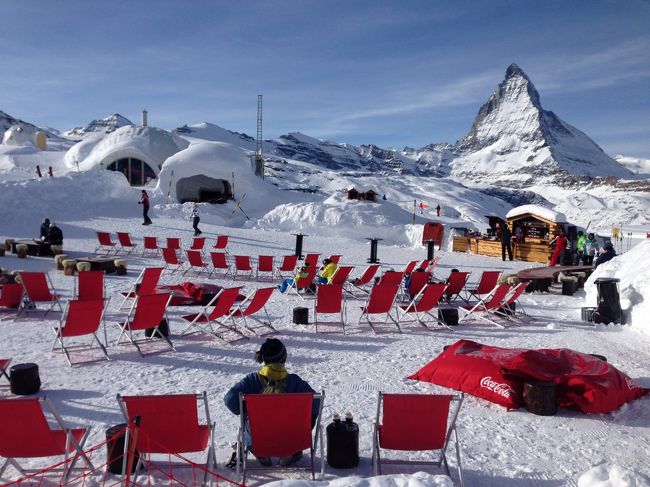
[
  {"x": 144, "y": 201},
  {"x": 194, "y": 216},
  {"x": 560, "y": 242}
]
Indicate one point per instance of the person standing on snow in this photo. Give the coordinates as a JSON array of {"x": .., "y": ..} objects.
[
  {"x": 144, "y": 201},
  {"x": 438, "y": 210},
  {"x": 560, "y": 242},
  {"x": 579, "y": 257},
  {"x": 506, "y": 242},
  {"x": 194, "y": 216},
  {"x": 590, "y": 249}
]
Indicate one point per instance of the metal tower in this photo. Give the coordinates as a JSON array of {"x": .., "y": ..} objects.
[{"x": 259, "y": 161}]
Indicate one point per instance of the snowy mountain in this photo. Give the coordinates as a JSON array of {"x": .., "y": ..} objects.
[
  {"x": 104, "y": 126},
  {"x": 639, "y": 166},
  {"x": 6, "y": 121},
  {"x": 515, "y": 142}
]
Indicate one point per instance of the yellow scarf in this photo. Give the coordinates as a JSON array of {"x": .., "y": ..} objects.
[{"x": 273, "y": 371}]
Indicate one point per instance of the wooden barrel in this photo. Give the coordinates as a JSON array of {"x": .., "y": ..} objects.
[
  {"x": 541, "y": 397},
  {"x": 301, "y": 316},
  {"x": 21, "y": 251},
  {"x": 24, "y": 379}
]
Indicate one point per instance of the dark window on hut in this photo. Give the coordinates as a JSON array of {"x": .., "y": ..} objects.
[
  {"x": 136, "y": 171},
  {"x": 203, "y": 189}
]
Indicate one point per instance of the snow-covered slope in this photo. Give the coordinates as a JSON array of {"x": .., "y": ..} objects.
[{"x": 638, "y": 165}]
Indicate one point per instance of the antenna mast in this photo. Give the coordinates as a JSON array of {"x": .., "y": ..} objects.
[{"x": 259, "y": 161}]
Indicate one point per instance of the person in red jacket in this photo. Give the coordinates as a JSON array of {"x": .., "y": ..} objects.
[
  {"x": 560, "y": 242},
  {"x": 144, "y": 201}
]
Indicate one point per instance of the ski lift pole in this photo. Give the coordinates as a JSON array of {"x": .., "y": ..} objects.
[
  {"x": 169, "y": 189},
  {"x": 414, "y": 208}
]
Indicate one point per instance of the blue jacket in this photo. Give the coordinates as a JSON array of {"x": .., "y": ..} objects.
[{"x": 251, "y": 384}]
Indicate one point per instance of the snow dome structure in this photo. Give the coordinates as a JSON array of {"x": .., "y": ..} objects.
[
  {"x": 19, "y": 134},
  {"x": 136, "y": 152},
  {"x": 208, "y": 172}
]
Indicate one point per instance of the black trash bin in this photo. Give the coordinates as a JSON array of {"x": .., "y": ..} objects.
[
  {"x": 24, "y": 379},
  {"x": 609, "y": 301},
  {"x": 343, "y": 442},
  {"x": 115, "y": 436}
]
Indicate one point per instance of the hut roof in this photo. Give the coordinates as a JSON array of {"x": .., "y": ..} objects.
[{"x": 536, "y": 210}]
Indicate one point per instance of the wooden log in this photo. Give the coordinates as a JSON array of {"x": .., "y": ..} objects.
[{"x": 69, "y": 267}]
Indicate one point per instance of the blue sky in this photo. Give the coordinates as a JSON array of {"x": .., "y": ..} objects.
[{"x": 400, "y": 73}]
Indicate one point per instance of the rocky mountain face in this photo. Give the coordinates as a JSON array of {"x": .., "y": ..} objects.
[
  {"x": 515, "y": 142},
  {"x": 104, "y": 126}
]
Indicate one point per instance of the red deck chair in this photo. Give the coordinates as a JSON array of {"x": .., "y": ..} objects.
[
  {"x": 265, "y": 267},
  {"x": 221, "y": 243},
  {"x": 455, "y": 285},
  {"x": 126, "y": 243},
  {"x": 243, "y": 267},
  {"x": 419, "y": 280},
  {"x": 80, "y": 318},
  {"x": 486, "y": 283},
  {"x": 392, "y": 277},
  {"x": 410, "y": 267},
  {"x": 510, "y": 304},
  {"x": 335, "y": 258},
  {"x": 37, "y": 288},
  {"x": 146, "y": 283},
  {"x": 4, "y": 363},
  {"x": 253, "y": 304},
  {"x": 341, "y": 274},
  {"x": 381, "y": 300},
  {"x": 330, "y": 300},
  {"x": 365, "y": 278},
  {"x": 220, "y": 263},
  {"x": 423, "y": 303},
  {"x": 222, "y": 305},
  {"x": 171, "y": 260},
  {"x": 146, "y": 313},
  {"x": 11, "y": 295},
  {"x": 174, "y": 243},
  {"x": 416, "y": 422},
  {"x": 150, "y": 245},
  {"x": 312, "y": 259},
  {"x": 26, "y": 433},
  {"x": 304, "y": 283},
  {"x": 280, "y": 425},
  {"x": 104, "y": 243},
  {"x": 198, "y": 244},
  {"x": 170, "y": 425},
  {"x": 89, "y": 285},
  {"x": 288, "y": 266},
  {"x": 487, "y": 306},
  {"x": 195, "y": 261}
]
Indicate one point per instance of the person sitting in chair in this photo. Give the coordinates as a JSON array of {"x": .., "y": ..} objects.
[
  {"x": 55, "y": 236},
  {"x": 291, "y": 281},
  {"x": 271, "y": 378},
  {"x": 608, "y": 254},
  {"x": 45, "y": 229},
  {"x": 327, "y": 271}
]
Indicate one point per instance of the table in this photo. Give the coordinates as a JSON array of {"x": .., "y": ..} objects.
[{"x": 34, "y": 247}]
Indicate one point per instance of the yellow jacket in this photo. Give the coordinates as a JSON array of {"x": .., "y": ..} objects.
[{"x": 328, "y": 271}]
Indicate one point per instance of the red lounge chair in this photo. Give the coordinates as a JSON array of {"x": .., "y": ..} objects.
[
  {"x": 222, "y": 305},
  {"x": 381, "y": 300},
  {"x": 195, "y": 260},
  {"x": 367, "y": 277},
  {"x": 391, "y": 277},
  {"x": 146, "y": 283},
  {"x": 221, "y": 243},
  {"x": 146, "y": 313},
  {"x": 416, "y": 422},
  {"x": 220, "y": 263},
  {"x": 11, "y": 295},
  {"x": 423, "y": 303},
  {"x": 280, "y": 425},
  {"x": 174, "y": 243},
  {"x": 105, "y": 243},
  {"x": 510, "y": 304},
  {"x": 265, "y": 265},
  {"x": 341, "y": 275},
  {"x": 89, "y": 285},
  {"x": 486, "y": 283},
  {"x": 125, "y": 242},
  {"x": 243, "y": 267},
  {"x": 288, "y": 266},
  {"x": 312, "y": 259},
  {"x": 419, "y": 279},
  {"x": 304, "y": 283},
  {"x": 429, "y": 265},
  {"x": 335, "y": 258},
  {"x": 254, "y": 303},
  {"x": 455, "y": 285},
  {"x": 150, "y": 244},
  {"x": 4, "y": 363},
  {"x": 37, "y": 288},
  {"x": 25, "y": 433},
  {"x": 198, "y": 243},
  {"x": 330, "y": 300},
  {"x": 410, "y": 267},
  {"x": 171, "y": 260},
  {"x": 80, "y": 318},
  {"x": 487, "y": 306},
  {"x": 169, "y": 424}
]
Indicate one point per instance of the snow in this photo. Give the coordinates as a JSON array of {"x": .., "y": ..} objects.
[
  {"x": 498, "y": 447},
  {"x": 638, "y": 165},
  {"x": 545, "y": 213}
]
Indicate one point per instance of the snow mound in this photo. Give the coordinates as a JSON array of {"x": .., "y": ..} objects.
[
  {"x": 419, "y": 479},
  {"x": 633, "y": 269},
  {"x": 611, "y": 475}
]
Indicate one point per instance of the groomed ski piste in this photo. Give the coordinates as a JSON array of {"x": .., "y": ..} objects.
[{"x": 498, "y": 447}]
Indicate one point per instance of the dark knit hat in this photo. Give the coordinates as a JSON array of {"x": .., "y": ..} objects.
[{"x": 272, "y": 351}]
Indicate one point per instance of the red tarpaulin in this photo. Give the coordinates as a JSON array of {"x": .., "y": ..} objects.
[{"x": 498, "y": 375}]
